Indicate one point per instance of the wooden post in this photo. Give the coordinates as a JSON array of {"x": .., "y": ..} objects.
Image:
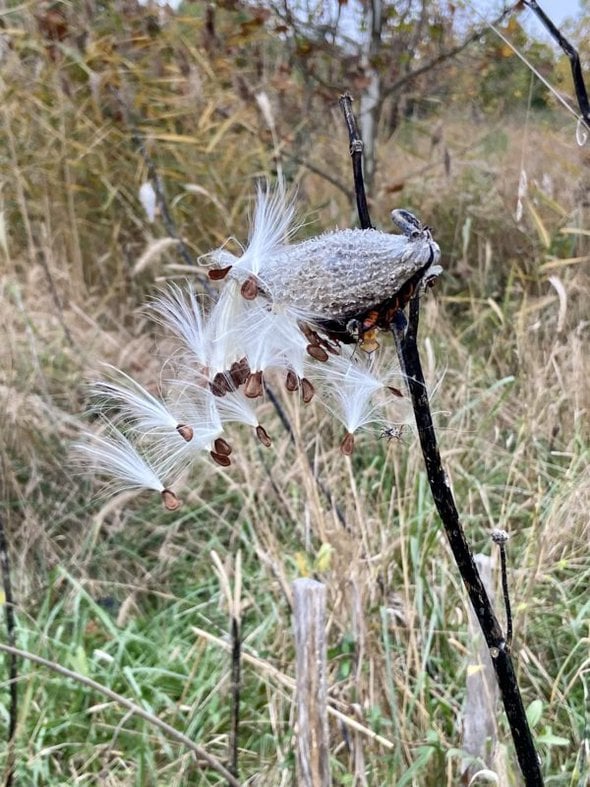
[
  {"x": 480, "y": 734},
  {"x": 309, "y": 612}
]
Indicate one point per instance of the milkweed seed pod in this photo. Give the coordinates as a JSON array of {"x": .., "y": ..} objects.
[
  {"x": 336, "y": 276},
  {"x": 341, "y": 274}
]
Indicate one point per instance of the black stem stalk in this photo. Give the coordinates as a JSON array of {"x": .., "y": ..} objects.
[
  {"x": 356, "y": 153},
  {"x": 407, "y": 347},
  {"x": 236, "y": 664},
  {"x": 12, "y": 658},
  {"x": 506, "y": 594},
  {"x": 571, "y": 52},
  {"x": 500, "y": 537}
]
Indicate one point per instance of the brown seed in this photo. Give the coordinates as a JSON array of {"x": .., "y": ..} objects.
[
  {"x": 317, "y": 352},
  {"x": 219, "y": 384},
  {"x": 220, "y": 459},
  {"x": 217, "y": 274},
  {"x": 171, "y": 502},
  {"x": 347, "y": 444},
  {"x": 185, "y": 431},
  {"x": 309, "y": 333},
  {"x": 249, "y": 289},
  {"x": 292, "y": 381},
  {"x": 396, "y": 391},
  {"x": 307, "y": 390},
  {"x": 332, "y": 347},
  {"x": 262, "y": 435},
  {"x": 253, "y": 387},
  {"x": 239, "y": 372},
  {"x": 222, "y": 447}
]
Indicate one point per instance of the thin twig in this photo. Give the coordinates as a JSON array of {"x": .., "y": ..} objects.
[
  {"x": 500, "y": 537},
  {"x": 572, "y": 53},
  {"x": 327, "y": 176},
  {"x": 199, "y": 752},
  {"x": 236, "y": 663},
  {"x": 409, "y": 358},
  {"x": 13, "y": 660}
]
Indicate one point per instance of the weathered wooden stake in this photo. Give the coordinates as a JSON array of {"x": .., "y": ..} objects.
[
  {"x": 480, "y": 730},
  {"x": 309, "y": 612}
]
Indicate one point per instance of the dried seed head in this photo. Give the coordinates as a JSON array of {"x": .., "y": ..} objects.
[
  {"x": 499, "y": 536},
  {"x": 217, "y": 274},
  {"x": 185, "y": 431},
  {"x": 317, "y": 352},
  {"x": 307, "y": 390},
  {"x": 249, "y": 289},
  {"x": 222, "y": 447},
  {"x": 220, "y": 459},
  {"x": 262, "y": 435},
  {"x": 347, "y": 444},
  {"x": 171, "y": 502},
  {"x": 254, "y": 386}
]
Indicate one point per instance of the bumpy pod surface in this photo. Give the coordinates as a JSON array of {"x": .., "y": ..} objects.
[{"x": 339, "y": 274}]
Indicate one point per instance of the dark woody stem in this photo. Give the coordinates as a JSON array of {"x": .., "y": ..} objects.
[
  {"x": 407, "y": 348},
  {"x": 571, "y": 52},
  {"x": 356, "y": 153},
  {"x": 405, "y": 336},
  {"x": 12, "y": 658}
]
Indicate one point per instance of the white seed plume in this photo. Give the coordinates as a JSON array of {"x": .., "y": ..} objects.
[
  {"x": 348, "y": 389},
  {"x": 235, "y": 407},
  {"x": 116, "y": 457},
  {"x": 181, "y": 313},
  {"x": 270, "y": 337},
  {"x": 135, "y": 404},
  {"x": 270, "y": 228}
]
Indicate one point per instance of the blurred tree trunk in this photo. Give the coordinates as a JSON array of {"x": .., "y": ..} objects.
[{"x": 371, "y": 99}]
